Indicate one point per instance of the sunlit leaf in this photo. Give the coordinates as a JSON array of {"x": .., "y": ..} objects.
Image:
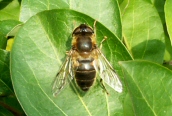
[
  {"x": 168, "y": 18},
  {"x": 104, "y": 11},
  {"x": 149, "y": 88},
  {"x": 143, "y": 30},
  {"x": 7, "y": 25},
  {"x": 9, "y": 9}
]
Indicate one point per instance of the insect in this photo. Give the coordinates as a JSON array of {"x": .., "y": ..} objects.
[{"x": 84, "y": 61}]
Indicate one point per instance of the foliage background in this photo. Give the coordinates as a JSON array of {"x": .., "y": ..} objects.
[{"x": 138, "y": 47}]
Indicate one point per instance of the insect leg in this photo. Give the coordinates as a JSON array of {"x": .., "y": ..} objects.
[
  {"x": 101, "y": 43},
  {"x": 101, "y": 81},
  {"x": 94, "y": 27}
]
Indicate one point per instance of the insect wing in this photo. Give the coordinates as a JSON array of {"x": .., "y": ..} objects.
[
  {"x": 63, "y": 77},
  {"x": 107, "y": 73}
]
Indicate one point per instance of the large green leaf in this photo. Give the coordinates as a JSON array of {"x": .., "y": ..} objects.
[
  {"x": 149, "y": 87},
  {"x": 38, "y": 52},
  {"x": 104, "y": 11},
  {"x": 143, "y": 30}
]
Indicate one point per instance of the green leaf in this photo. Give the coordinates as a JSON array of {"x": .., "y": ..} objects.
[
  {"x": 168, "y": 38},
  {"x": 3, "y": 41},
  {"x": 120, "y": 1},
  {"x": 143, "y": 30},
  {"x": 168, "y": 18},
  {"x": 159, "y": 5},
  {"x": 7, "y": 98},
  {"x": 106, "y": 12},
  {"x": 7, "y": 25},
  {"x": 9, "y": 9},
  {"x": 38, "y": 52},
  {"x": 128, "y": 106},
  {"x": 11, "y": 103},
  {"x": 168, "y": 50},
  {"x": 5, "y": 112},
  {"x": 149, "y": 88},
  {"x": 5, "y": 81}
]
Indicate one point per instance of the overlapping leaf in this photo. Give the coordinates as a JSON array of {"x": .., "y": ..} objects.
[
  {"x": 168, "y": 18},
  {"x": 5, "y": 82},
  {"x": 9, "y": 9},
  {"x": 104, "y": 11},
  {"x": 7, "y": 97},
  {"x": 143, "y": 30},
  {"x": 149, "y": 88}
]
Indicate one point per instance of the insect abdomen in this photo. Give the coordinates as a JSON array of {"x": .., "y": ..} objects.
[{"x": 85, "y": 74}]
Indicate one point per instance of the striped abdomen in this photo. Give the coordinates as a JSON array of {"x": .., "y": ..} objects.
[{"x": 85, "y": 74}]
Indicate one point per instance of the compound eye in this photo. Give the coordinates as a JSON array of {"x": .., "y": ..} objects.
[
  {"x": 77, "y": 30},
  {"x": 88, "y": 30},
  {"x": 83, "y": 29}
]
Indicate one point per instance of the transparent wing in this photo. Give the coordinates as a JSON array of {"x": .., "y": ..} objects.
[
  {"x": 63, "y": 77},
  {"x": 106, "y": 72}
]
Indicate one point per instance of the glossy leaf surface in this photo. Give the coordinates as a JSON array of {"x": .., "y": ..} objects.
[
  {"x": 149, "y": 88},
  {"x": 143, "y": 31},
  {"x": 104, "y": 11}
]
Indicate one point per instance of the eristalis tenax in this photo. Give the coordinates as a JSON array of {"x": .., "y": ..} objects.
[{"x": 83, "y": 61}]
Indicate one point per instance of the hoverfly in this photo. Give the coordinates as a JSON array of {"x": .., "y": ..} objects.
[{"x": 83, "y": 61}]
